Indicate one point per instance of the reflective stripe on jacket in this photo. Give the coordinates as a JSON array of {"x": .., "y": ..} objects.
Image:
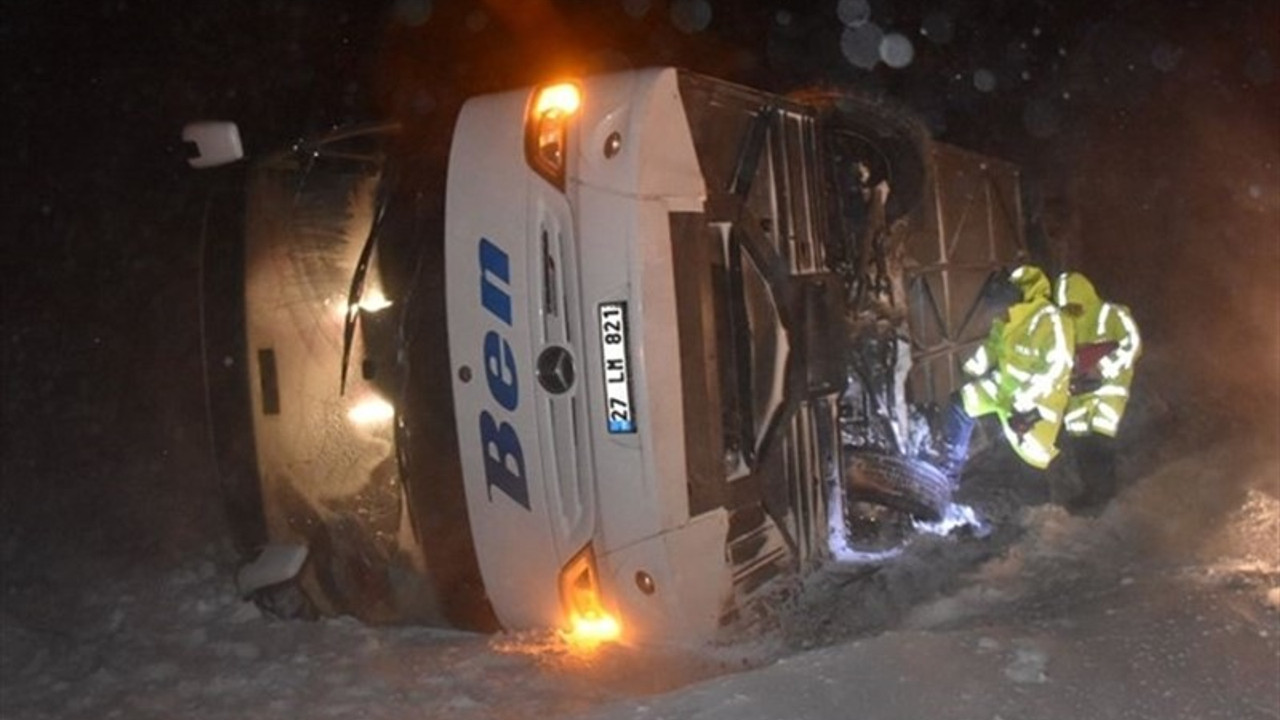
[
  {"x": 1023, "y": 367},
  {"x": 1100, "y": 403}
]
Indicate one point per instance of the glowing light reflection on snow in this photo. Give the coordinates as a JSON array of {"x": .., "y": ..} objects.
[{"x": 957, "y": 516}]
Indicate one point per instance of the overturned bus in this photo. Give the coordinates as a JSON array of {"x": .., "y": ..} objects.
[{"x": 665, "y": 338}]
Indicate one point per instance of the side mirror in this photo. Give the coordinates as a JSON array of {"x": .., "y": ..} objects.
[{"x": 211, "y": 143}]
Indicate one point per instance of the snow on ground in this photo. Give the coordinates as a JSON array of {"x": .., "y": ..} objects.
[
  {"x": 1162, "y": 607},
  {"x": 1165, "y": 605},
  {"x": 86, "y": 638},
  {"x": 179, "y": 643}
]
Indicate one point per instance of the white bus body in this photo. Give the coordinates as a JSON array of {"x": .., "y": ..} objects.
[
  {"x": 532, "y": 270},
  {"x": 675, "y": 330}
]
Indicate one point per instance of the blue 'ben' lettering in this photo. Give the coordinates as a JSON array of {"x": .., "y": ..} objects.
[
  {"x": 504, "y": 466},
  {"x": 495, "y": 266},
  {"x": 503, "y": 460},
  {"x": 500, "y": 370}
]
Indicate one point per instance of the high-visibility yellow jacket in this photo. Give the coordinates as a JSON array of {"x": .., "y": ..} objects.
[
  {"x": 1021, "y": 373},
  {"x": 1107, "y": 347}
]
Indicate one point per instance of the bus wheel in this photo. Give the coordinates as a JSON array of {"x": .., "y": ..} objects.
[{"x": 906, "y": 484}]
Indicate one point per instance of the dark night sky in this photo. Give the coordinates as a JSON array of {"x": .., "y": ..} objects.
[{"x": 1156, "y": 119}]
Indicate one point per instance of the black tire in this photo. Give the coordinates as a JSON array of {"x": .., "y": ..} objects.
[{"x": 912, "y": 486}]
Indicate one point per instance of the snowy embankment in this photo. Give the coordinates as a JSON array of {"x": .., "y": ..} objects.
[
  {"x": 178, "y": 643},
  {"x": 1166, "y": 605}
]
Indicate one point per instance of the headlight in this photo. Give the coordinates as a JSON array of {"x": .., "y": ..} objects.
[
  {"x": 546, "y": 129},
  {"x": 589, "y": 624},
  {"x": 371, "y": 410}
]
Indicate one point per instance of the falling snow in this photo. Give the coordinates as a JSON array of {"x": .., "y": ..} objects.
[
  {"x": 854, "y": 13},
  {"x": 861, "y": 45},
  {"x": 896, "y": 51}
]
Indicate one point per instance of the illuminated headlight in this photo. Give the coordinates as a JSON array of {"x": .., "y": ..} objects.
[
  {"x": 371, "y": 410},
  {"x": 546, "y": 129},
  {"x": 588, "y": 623},
  {"x": 373, "y": 300}
]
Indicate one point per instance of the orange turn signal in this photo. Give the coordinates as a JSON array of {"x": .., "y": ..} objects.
[
  {"x": 589, "y": 624},
  {"x": 546, "y": 129}
]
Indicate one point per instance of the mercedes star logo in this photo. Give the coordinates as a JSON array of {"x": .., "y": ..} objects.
[{"x": 555, "y": 370}]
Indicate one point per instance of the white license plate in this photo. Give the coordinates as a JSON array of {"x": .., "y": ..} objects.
[{"x": 617, "y": 370}]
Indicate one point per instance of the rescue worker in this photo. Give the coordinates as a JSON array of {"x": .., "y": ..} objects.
[
  {"x": 1107, "y": 348},
  {"x": 1020, "y": 373}
]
